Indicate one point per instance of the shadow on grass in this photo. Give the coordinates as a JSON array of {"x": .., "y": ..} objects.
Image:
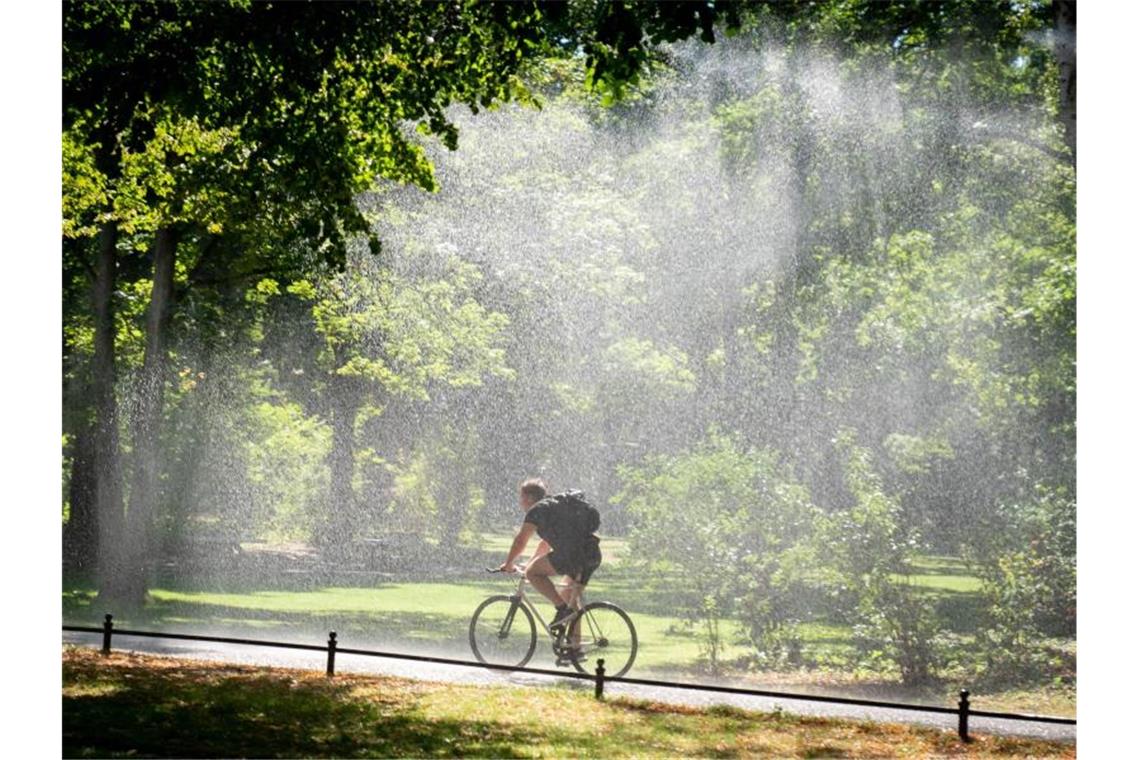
[
  {"x": 139, "y": 712},
  {"x": 358, "y": 628},
  {"x": 635, "y": 590},
  {"x": 961, "y": 613}
]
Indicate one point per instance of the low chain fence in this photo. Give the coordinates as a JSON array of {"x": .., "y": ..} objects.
[{"x": 599, "y": 677}]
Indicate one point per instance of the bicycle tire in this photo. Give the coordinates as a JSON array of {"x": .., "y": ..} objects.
[
  {"x": 495, "y": 633},
  {"x": 606, "y": 633}
]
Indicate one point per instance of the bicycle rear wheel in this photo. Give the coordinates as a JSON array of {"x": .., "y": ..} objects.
[
  {"x": 502, "y": 632},
  {"x": 605, "y": 632}
]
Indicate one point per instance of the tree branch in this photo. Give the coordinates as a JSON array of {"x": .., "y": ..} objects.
[{"x": 989, "y": 131}]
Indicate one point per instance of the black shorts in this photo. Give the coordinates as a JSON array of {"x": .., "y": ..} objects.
[{"x": 579, "y": 562}]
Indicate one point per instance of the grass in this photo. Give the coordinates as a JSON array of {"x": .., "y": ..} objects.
[
  {"x": 432, "y": 616},
  {"x": 945, "y": 575},
  {"x": 423, "y": 615},
  {"x": 148, "y": 706}
]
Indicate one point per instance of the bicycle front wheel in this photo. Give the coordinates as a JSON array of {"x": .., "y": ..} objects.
[
  {"x": 502, "y": 632},
  {"x": 605, "y": 632}
]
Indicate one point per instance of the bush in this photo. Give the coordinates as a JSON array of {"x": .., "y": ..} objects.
[
  {"x": 727, "y": 516},
  {"x": 1026, "y": 559},
  {"x": 902, "y": 629},
  {"x": 869, "y": 551},
  {"x": 783, "y": 591}
]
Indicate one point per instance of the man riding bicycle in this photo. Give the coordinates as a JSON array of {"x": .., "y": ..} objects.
[{"x": 568, "y": 546}]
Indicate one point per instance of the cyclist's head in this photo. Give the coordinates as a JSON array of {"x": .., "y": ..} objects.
[{"x": 531, "y": 491}]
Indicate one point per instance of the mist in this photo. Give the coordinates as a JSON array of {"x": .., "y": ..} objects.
[{"x": 789, "y": 257}]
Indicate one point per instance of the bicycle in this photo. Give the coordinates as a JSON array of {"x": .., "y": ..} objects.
[{"x": 503, "y": 632}]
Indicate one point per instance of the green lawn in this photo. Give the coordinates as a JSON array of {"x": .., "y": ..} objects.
[
  {"x": 433, "y": 615},
  {"x": 947, "y": 575},
  {"x": 424, "y": 615}
]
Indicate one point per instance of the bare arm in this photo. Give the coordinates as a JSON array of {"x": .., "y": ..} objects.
[{"x": 517, "y": 546}]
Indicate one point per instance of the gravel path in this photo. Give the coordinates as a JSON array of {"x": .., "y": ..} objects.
[{"x": 254, "y": 655}]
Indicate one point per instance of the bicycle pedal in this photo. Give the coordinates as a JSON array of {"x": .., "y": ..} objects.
[{"x": 568, "y": 659}]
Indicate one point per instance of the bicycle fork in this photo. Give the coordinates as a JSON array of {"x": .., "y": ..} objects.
[{"x": 508, "y": 621}]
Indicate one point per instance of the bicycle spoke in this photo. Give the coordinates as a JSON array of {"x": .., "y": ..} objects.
[
  {"x": 607, "y": 633},
  {"x": 502, "y": 632}
]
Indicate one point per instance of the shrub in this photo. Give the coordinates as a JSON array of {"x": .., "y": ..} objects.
[
  {"x": 870, "y": 551},
  {"x": 902, "y": 629},
  {"x": 1026, "y": 559},
  {"x": 726, "y": 515}
]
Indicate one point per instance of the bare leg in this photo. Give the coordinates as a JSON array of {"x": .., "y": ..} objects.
[
  {"x": 538, "y": 572},
  {"x": 572, "y": 596}
]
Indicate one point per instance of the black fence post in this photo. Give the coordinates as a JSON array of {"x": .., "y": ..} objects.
[
  {"x": 964, "y": 715},
  {"x": 599, "y": 679},
  {"x": 108, "y": 626},
  {"x": 331, "y": 669}
]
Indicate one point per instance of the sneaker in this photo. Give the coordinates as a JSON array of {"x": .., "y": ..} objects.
[
  {"x": 561, "y": 615},
  {"x": 569, "y": 657}
]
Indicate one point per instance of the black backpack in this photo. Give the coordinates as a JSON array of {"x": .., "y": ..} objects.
[{"x": 580, "y": 518}]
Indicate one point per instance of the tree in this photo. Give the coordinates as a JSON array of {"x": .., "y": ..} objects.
[
  {"x": 995, "y": 36},
  {"x": 389, "y": 337},
  {"x": 313, "y": 99}
]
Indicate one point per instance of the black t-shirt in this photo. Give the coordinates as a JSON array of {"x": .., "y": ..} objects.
[{"x": 554, "y": 526}]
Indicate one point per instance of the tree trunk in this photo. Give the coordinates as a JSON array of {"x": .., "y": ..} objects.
[
  {"x": 146, "y": 420},
  {"x": 106, "y": 464},
  {"x": 1065, "y": 50},
  {"x": 80, "y": 534},
  {"x": 340, "y": 520},
  {"x": 777, "y": 423}
]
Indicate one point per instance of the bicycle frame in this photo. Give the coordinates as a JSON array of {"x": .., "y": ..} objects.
[
  {"x": 577, "y": 638},
  {"x": 575, "y": 601}
]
